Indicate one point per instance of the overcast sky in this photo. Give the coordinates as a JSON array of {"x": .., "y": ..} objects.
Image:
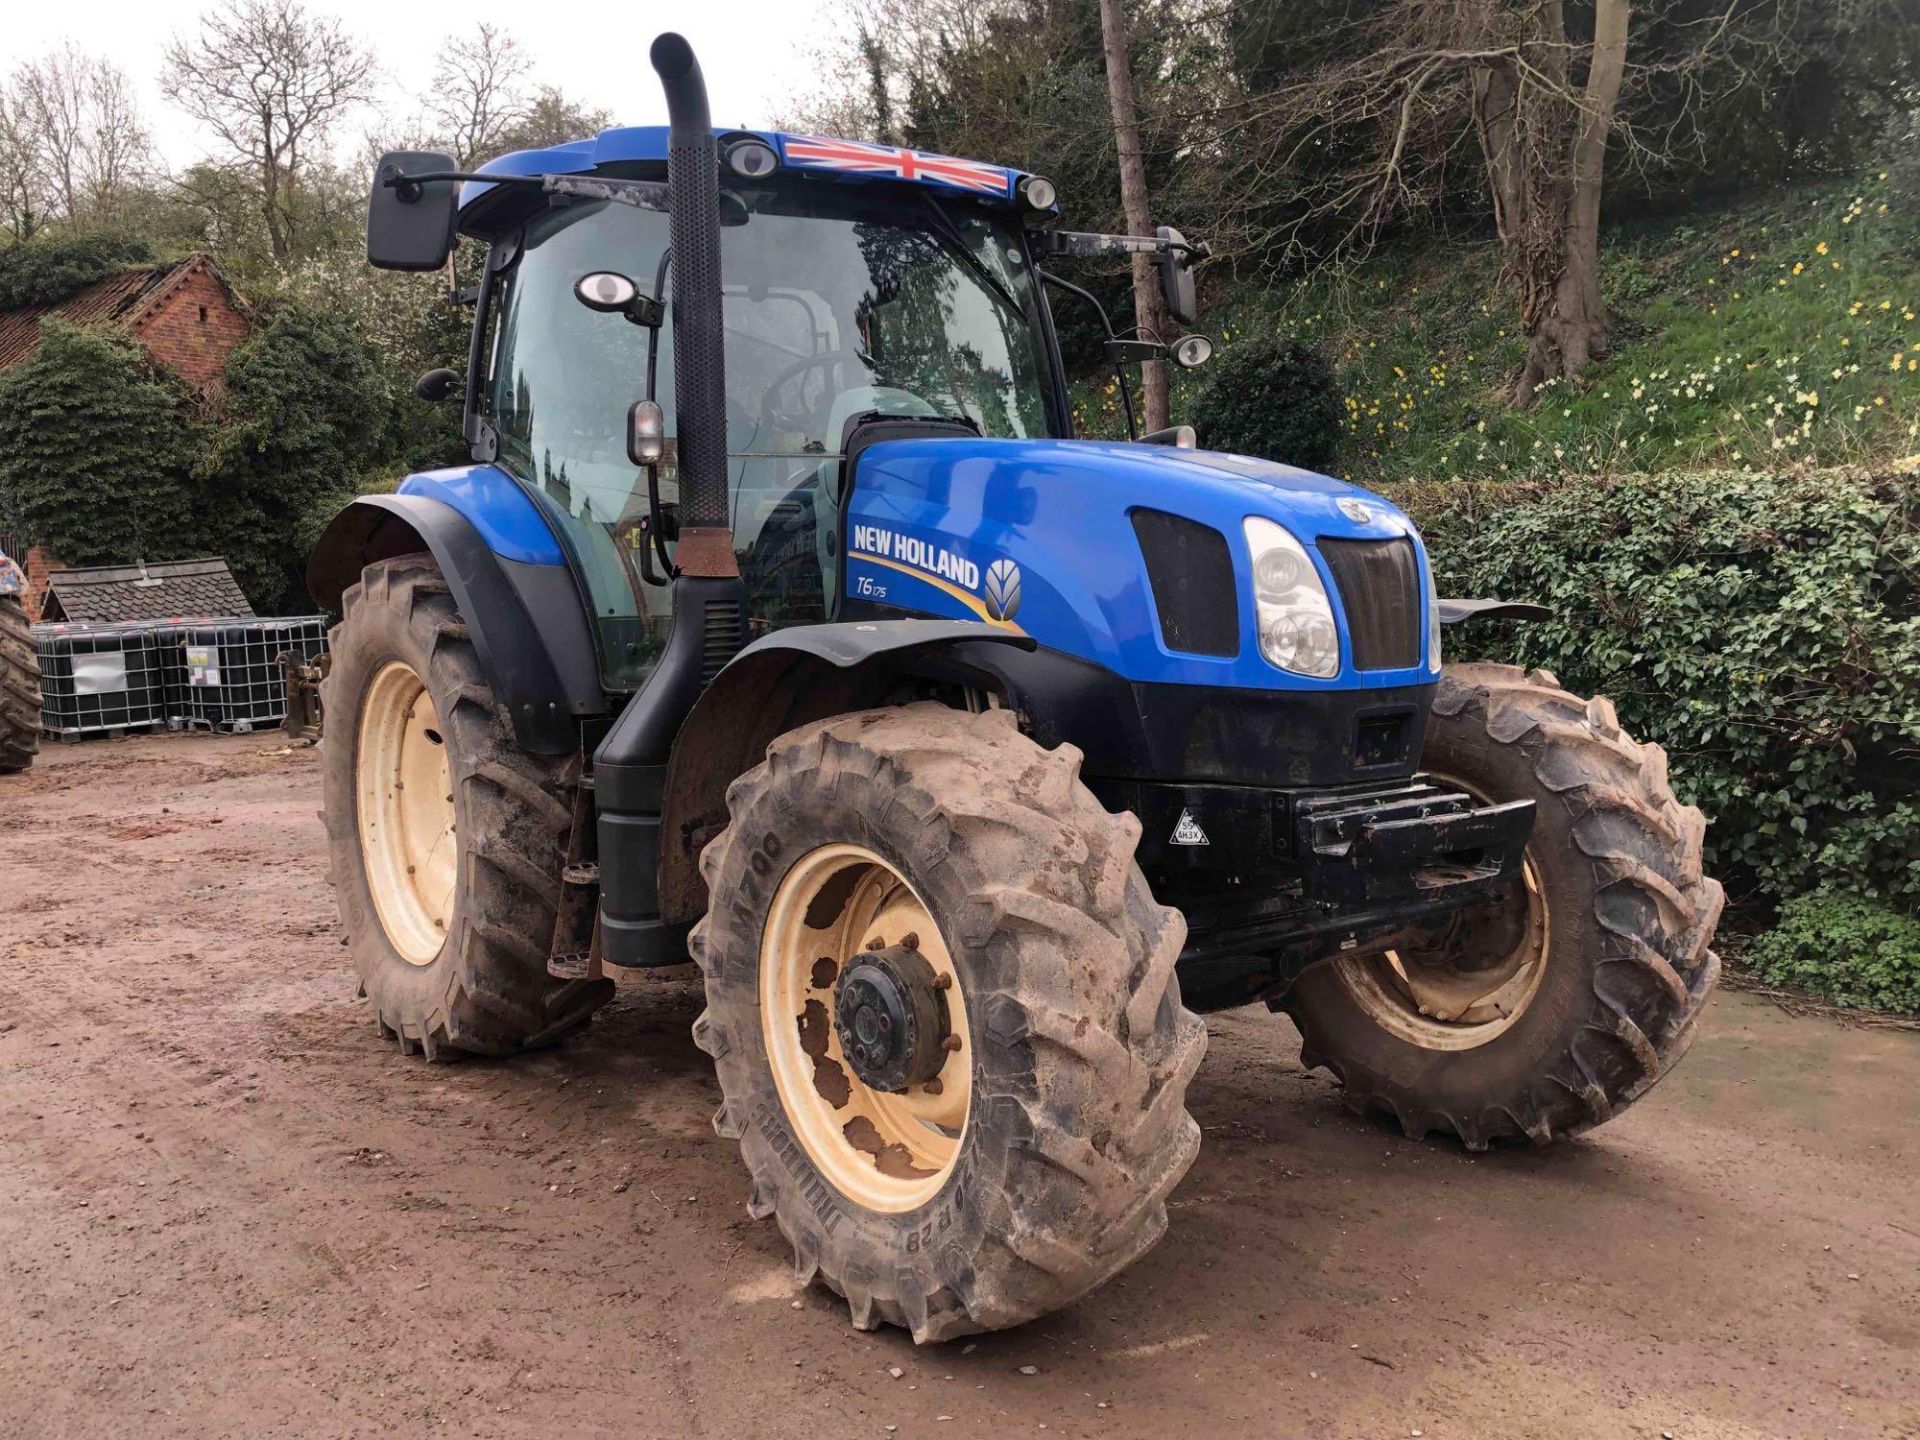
[{"x": 754, "y": 52}]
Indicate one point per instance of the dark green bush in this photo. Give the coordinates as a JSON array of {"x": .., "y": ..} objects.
[
  {"x": 310, "y": 406},
  {"x": 1764, "y": 628},
  {"x": 1850, "y": 949},
  {"x": 1275, "y": 398},
  {"x": 96, "y": 458},
  {"x": 44, "y": 272}
]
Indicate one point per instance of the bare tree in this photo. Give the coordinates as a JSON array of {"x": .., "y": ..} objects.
[
  {"x": 269, "y": 81},
  {"x": 54, "y": 89},
  {"x": 72, "y": 144},
  {"x": 115, "y": 148},
  {"x": 1148, "y": 309},
  {"x": 1421, "y": 85},
  {"x": 479, "y": 93},
  {"x": 23, "y": 194}
]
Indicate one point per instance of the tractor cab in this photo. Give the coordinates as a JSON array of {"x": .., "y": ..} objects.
[{"x": 861, "y": 284}]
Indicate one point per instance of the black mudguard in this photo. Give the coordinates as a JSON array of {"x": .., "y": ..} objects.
[
  {"x": 528, "y": 622},
  {"x": 803, "y": 673}
]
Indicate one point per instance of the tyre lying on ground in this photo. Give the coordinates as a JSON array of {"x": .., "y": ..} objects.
[{"x": 19, "y": 677}]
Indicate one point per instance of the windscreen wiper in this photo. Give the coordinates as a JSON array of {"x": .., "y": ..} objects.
[{"x": 957, "y": 244}]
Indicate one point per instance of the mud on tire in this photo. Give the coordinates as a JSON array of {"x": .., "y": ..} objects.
[
  {"x": 1082, "y": 1051},
  {"x": 19, "y": 688},
  {"x": 1630, "y": 919},
  {"x": 487, "y": 991}
]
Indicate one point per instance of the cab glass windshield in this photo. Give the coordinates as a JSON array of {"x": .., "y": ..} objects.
[{"x": 839, "y": 301}]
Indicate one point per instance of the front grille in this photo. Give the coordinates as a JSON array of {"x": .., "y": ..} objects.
[
  {"x": 1191, "y": 574},
  {"x": 1380, "y": 590}
]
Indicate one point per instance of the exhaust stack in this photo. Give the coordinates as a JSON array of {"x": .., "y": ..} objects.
[{"x": 699, "y": 361}]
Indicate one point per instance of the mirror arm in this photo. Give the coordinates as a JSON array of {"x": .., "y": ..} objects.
[{"x": 1047, "y": 277}]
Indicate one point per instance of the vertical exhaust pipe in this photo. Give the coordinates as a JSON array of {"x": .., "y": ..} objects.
[
  {"x": 699, "y": 359},
  {"x": 632, "y": 796}
]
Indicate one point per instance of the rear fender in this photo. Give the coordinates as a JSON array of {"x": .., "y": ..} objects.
[
  {"x": 783, "y": 680},
  {"x": 527, "y": 620}
]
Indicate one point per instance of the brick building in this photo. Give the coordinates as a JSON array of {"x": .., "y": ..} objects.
[{"x": 182, "y": 311}]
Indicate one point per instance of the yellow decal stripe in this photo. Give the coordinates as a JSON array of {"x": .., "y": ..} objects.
[{"x": 965, "y": 597}]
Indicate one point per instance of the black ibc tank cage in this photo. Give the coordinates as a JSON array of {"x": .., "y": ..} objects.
[
  {"x": 231, "y": 669},
  {"x": 98, "y": 679}
]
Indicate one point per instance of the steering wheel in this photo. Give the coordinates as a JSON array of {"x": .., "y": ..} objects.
[{"x": 803, "y": 421}]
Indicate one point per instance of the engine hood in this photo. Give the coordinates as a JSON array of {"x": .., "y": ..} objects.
[{"x": 1038, "y": 535}]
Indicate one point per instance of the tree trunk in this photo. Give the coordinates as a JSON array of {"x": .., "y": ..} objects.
[
  {"x": 1570, "y": 328},
  {"x": 1147, "y": 308}
]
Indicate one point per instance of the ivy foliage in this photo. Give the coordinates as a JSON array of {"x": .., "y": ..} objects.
[
  {"x": 96, "y": 457},
  {"x": 1850, "y": 949},
  {"x": 1764, "y": 628},
  {"x": 310, "y": 407},
  {"x": 47, "y": 271},
  {"x": 1275, "y": 398}
]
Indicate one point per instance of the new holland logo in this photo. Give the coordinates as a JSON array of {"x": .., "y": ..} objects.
[
  {"x": 1002, "y": 591},
  {"x": 1188, "y": 831}
]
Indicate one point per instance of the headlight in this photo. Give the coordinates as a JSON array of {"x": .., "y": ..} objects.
[
  {"x": 1290, "y": 604},
  {"x": 1433, "y": 617}
]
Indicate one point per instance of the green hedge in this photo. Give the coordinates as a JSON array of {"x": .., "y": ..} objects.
[
  {"x": 96, "y": 453},
  {"x": 1762, "y": 627},
  {"x": 1849, "y": 949},
  {"x": 44, "y": 272}
]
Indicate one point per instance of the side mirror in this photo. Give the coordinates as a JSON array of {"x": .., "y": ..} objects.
[
  {"x": 1176, "y": 277},
  {"x": 409, "y": 223},
  {"x": 436, "y": 385},
  {"x": 1190, "y": 352}
]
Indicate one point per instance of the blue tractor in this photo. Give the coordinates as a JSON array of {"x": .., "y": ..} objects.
[
  {"x": 779, "y": 617},
  {"x": 19, "y": 674}
]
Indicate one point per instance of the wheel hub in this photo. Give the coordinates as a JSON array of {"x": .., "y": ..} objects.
[{"x": 891, "y": 1019}]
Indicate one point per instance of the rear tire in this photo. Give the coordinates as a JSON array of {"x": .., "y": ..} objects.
[
  {"x": 19, "y": 688},
  {"x": 400, "y": 653},
  {"x": 1070, "y": 1034},
  {"x": 1628, "y": 918}
]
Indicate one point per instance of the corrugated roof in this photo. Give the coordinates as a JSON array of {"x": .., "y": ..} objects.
[
  {"x": 125, "y": 299},
  {"x": 159, "y": 591}
]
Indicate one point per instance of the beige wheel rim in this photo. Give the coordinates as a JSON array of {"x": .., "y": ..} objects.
[
  {"x": 1453, "y": 1009},
  {"x": 404, "y": 788},
  {"x": 881, "y": 1150}
]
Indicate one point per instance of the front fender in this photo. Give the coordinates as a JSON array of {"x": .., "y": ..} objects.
[
  {"x": 527, "y": 620},
  {"x": 782, "y": 680}
]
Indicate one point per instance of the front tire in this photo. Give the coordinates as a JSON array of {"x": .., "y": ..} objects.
[
  {"x": 1036, "y": 1162},
  {"x": 446, "y": 840},
  {"x": 1594, "y": 986},
  {"x": 19, "y": 688}
]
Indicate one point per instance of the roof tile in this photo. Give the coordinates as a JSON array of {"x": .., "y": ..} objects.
[{"x": 157, "y": 591}]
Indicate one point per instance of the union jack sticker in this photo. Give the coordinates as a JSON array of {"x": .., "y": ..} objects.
[{"x": 860, "y": 157}]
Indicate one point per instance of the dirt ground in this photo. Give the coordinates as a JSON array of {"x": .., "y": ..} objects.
[{"x": 226, "y": 1208}]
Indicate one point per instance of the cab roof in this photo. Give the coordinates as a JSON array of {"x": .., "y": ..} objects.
[{"x": 860, "y": 161}]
